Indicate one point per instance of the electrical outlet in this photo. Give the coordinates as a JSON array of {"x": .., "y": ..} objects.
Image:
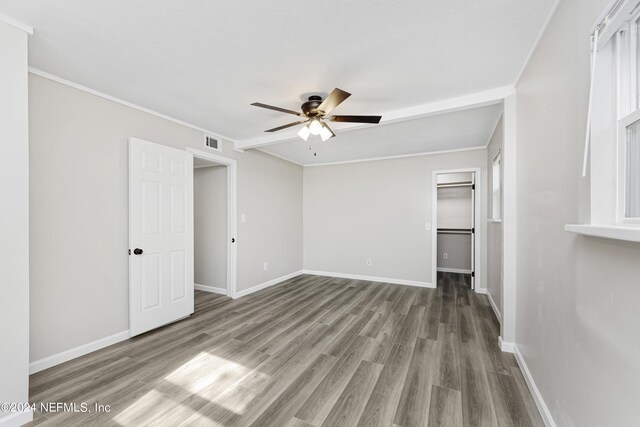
[
  {"x": 266, "y": 266},
  {"x": 369, "y": 261},
  {"x": 243, "y": 218},
  {"x": 445, "y": 255}
]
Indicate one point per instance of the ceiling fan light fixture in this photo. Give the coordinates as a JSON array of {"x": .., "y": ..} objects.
[
  {"x": 304, "y": 132},
  {"x": 315, "y": 111},
  {"x": 325, "y": 132},
  {"x": 315, "y": 127}
]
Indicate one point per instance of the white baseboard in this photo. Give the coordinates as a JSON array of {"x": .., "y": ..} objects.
[
  {"x": 16, "y": 419},
  {"x": 371, "y": 278},
  {"x": 507, "y": 347},
  {"x": 264, "y": 285},
  {"x": 212, "y": 289},
  {"x": 453, "y": 270},
  {"x": 56, "y": 359},
  {"x": 537, "y": 397},
  {"x": 494, "y": 307}
]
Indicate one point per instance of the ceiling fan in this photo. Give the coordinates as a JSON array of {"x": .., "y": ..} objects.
[{"x": 314, "y": 113}]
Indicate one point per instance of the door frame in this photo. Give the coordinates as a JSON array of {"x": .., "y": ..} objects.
[
  {"x": 477, "y": 267},
  {"x": 232, "y": 220}
]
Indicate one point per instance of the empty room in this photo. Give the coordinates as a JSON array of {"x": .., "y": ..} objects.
[{"x": 298, "y": 214}]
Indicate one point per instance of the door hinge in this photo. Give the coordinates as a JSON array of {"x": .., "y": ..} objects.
[
  {"x": 473, "y": 230},
  {"x": 473, "y": 186},
  {"x": 473, "y": 274}
]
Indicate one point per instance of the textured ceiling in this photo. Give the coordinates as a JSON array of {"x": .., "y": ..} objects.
[{"x": 204, "y": 62}]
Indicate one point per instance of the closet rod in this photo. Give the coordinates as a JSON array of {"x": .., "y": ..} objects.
[
  {"x": 456, "y": 184},
  {"x": 455, "y": 231}
]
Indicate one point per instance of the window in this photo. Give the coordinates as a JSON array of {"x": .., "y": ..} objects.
[
  {"x": 628, "y": 119},
  {"x": 612, "y": 142},
  {"x": 613, "y": 135},
  {"x": 496, "y": 197}
]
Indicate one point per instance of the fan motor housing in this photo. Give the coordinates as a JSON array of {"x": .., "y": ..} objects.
[{"x": 309, "y": 108}]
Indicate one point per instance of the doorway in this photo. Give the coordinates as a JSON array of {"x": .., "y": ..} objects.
[
  {"x": 215, "y": 226},
  {"x": 455, "y": 216},
  {"x": 210, "y": 226}
]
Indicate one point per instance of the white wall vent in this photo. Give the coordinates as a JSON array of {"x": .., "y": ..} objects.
[{"x": 212, "y": 142}]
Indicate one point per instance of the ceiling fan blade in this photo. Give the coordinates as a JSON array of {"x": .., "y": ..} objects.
[
  {"x": 286, "y": 126},
  {"x": 334, "y": 99},
  {"x": 356, "y": 119},
  {"x": 271, "y": 107}
]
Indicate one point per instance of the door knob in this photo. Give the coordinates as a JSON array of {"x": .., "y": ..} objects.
[{"x": 137, "y": 251}]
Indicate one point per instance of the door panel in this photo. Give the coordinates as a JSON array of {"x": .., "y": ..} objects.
[
  {"x": 150, "y": 281},
  {"x": 178, "y": 275},
  {"x": 150, "y": 215},
  {"x": 161, "y": 225},
  {"x": 178, "y": 209}
]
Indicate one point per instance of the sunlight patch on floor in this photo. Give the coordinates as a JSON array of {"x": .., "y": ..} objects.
[
  {"x": 206, "y": 370},
  {"x": 217, "y": 380}
]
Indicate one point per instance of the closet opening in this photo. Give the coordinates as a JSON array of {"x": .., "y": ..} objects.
[{"x": 455, "y": 220}]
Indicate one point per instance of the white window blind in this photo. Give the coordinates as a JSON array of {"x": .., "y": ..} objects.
[{"x": 619, "y": 12}]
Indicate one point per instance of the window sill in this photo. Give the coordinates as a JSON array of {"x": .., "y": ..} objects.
[
  {"x": 495, "y": 221},
  {"x": 629, "y": 234}
]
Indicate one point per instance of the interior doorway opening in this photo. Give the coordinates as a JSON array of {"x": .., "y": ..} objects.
[
  {"x": 214, "y": 219},
  {"x": 210, "y": 226},
  {"x": 455, "y": 225}
]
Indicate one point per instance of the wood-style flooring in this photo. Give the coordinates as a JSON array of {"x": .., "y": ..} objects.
[{"x": 312, "y": 351}]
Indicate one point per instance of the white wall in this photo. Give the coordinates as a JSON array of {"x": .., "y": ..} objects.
[
  {"x": 14, "y": 222},
  {"x": 79, "y": 221},
  {"x": 377, "y": 210},
  {"x": 494, "y": 229},
  {"x": 458, "y": 250},
  {"x": 578, "y": 298},
  {"x": 454, "y": 207},
  {"x": 210, "y": 226}
]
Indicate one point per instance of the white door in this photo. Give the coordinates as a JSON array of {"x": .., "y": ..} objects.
[{"x": 160, "y": 235}]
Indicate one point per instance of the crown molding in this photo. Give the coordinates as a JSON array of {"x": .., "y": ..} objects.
[
  {"x": 278, "y": 156},
  {"x": 533, "y": 50},
  {"x": 400, "y": 156},
  {"x": 16, "y": 24},
  {"x": 94, "y": 92}
]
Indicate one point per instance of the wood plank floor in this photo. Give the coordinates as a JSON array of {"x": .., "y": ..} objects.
[{"x": 312, "y": 351}]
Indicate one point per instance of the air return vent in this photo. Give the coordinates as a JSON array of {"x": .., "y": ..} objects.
[{"x": 212, "y": 142}]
